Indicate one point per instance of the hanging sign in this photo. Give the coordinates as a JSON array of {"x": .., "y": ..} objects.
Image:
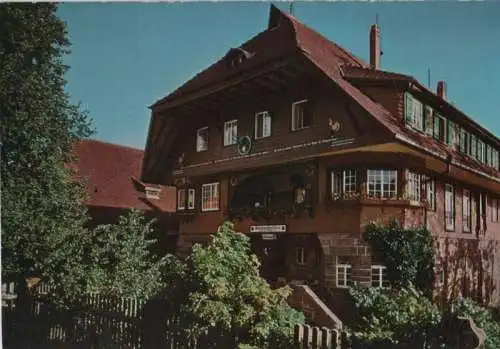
[{"x": 268, "y": 228}]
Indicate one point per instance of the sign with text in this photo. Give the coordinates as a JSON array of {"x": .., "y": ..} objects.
[
  {"x": 268, "y": 228},
  {"x": 267, "y": 236}
]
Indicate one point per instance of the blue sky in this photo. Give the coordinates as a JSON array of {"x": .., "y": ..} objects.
[{"x": 127, "y": 55}]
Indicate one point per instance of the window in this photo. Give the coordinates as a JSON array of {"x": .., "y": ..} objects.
[
  {"x": 191, "y": 199},
  {"x": 262, "y": 125},
  {"x": 464, "y": 141},
  {"x": 344, "y": 181},
  {"x": 473, "y": 146},
  {"x": 494, "y": 210},
  {"x": 428, "y": 120},
  {"x": 451, "y": 134},
  {"x": 202, "y": 139},
  {"x": 494, "y": 158},
  {"x": 431, "y": 193},
  {"x": 181, "y": 199},
  {"x": 379, "y": 276},
  {"x": 230, "y": 132},
  {"x": 449, "y": 207},
  {"x": 439, "y": 127},
  {"x": 382, "y": 183},
  {"x": 466, "y": 211},
  {"x": 414, "y": 113},
  {"x": 210, "y": 197},
  {"x": 301, "y": 117},
  {"x": 413, "y": 186},
  {"x": 343, "y": 272},
  {"x": 481, "y": 151},
  {"x": 300, "y": 256}
]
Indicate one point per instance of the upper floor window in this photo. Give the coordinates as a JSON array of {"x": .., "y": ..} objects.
[
  {"x": 481, "y": 151},
  {"x": 262, "y": 125},
  {"x": 464, "y": 141},
  {"x": 428, "y": 120},
  {"x": 449, "y": 207},
  {"x": 379, "y": 276},
  {"x": 300, "y": 256},
  {"x": 431, "y": 193},
  {"x": 382, "y": 183},
  {"x": 210, "y": 197},
  {"x": 181, "y": 199},
  {"x": 191, "y": 199},
  {"x": 344, "y": 181},
  {"x": 494, "y": 210},
  {"x": 413, "y": 186},
  {"x": 230, "y": 132},
  {"x": 466, "y": 211},
  {"x": 439, "y": 127},
  {"x": 301, "y": 117},
  {"x": 343, "y": 272},
  {"x": 473, "y": 146},
  {"x": 202, "y": 139},
  {"x": 414, "y": 112},
  {"x": 451, "y": 133}
]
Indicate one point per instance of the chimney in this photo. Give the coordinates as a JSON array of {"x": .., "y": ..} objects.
[
  {"x": 441, "y": 89},
  {"x": 374, "y": 47}
]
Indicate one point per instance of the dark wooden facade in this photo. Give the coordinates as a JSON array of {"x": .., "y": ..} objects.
[{"x": 323, "y": 230}]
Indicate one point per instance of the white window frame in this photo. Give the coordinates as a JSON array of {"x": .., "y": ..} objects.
[
  {"x": 152, "y": 193},
  {"x": 414, "y": 186},
  {"x": 341, "y": 273},
  {"x": 416, "y": 113},
  {"x": 191, "y": 199},
  {"x": 298, "y": 120},
  {"x": 265, "y": 118},
  {"x": 210, "y": 193},
  {"x": 230, "y": 132},
  {"x": 449, "y": 207},
  {"x": 300, "y": 256},
  {"x": 349, "y": 182},
  {"x": 200, "y": 145},
  {"x": 466, "y": 211},
  {"x": 431, "y": 193},
  {"x": 382, "y": 175},
  {"x": 379, "y": 271},
  {"x": 181, "y": 199}
]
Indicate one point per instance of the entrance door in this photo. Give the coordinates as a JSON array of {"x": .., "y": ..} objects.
[{"x": 271, "y": 256}]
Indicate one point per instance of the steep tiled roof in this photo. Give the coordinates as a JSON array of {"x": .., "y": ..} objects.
[
  {"x": 109, "y": 172},
  {"x": 336, "y": 63}
]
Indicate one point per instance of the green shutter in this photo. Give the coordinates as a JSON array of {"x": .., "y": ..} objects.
[
  {"x": 409, "y": 108},
  {"x": 437, "y": 123}
]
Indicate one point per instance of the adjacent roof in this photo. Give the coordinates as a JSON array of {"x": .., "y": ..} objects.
[
  {"x": 110, "y": 171},
  {"x": 285, "y": 35}
]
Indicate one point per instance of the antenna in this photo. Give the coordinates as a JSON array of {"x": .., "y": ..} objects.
[
  {"x": 291, "y": 8},
  {"x": 376, "y": 19},
  {"x": 429, "y": 77}
]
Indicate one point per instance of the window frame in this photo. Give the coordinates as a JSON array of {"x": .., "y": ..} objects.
[
  {"x": 380, "y": 275},
  {"x": 414, "y": 113},
  {"x": 346, "y": 271},
  {"x": 191, "y": 204},
  {"x": 200, "y": 149},
  {"x": 302, "y": 255},
  {"x": 215, "y": 185},
  {"x": 181, "y": 199},
  {"x": 383, "y": 172},
  {"x": 342, "y": 184},
  {"x": 265, "y": 115},
  {"x": 466, "y": 228},
  {"x": 431, "y": 201},
  {"x": 228, "y": 127},
  {"x": 414, "y": 186},
  {"x": 295, "y": 126},
  {"x": 447, "y": 205}
]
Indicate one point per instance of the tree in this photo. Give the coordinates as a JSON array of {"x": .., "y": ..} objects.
[
  {"x": 121, "y": 263},
  {"x": 218, "y": 288},
  {"x": 42, "y": 214}
]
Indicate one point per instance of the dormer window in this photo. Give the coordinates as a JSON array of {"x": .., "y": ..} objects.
[
  {"x": 152, "y": 193},
  {"x": 202, "y": 139},
  {"x": 414, "y": 113}
]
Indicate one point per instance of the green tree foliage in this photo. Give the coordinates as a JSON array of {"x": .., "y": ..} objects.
[
  {"x": 42, "y": 218},
  {"x": 483, "y": 319},
  {"x": 218, "y": 288},
  {"x": 403, "y": 318},
  {"x": 120, "y": 259},
  {"x": 408, "y": 254}
]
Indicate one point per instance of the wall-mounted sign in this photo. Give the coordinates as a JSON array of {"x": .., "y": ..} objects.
[
  {"x": 268, "y": 236},
  {"x": 268, "y": 228}
]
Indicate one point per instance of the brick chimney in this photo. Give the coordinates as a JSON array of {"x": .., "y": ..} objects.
[
  {"x": 441, "y": 89},
  {"x": 374, "y": 47}
]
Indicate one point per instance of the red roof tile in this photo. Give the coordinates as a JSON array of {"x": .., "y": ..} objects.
[
  {"x": 334, "y": 61},
  {"x": 109, "y": 172}
]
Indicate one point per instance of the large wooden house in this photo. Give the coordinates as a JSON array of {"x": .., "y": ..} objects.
[{"x": 302, "y": 144}]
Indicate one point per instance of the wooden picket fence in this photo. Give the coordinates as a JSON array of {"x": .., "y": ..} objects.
[{"x": 107, "y": 322}]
